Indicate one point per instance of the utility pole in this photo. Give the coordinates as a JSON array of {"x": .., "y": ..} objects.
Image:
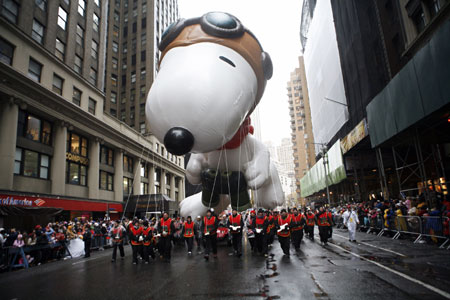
[{"x": 325, "y": 163}]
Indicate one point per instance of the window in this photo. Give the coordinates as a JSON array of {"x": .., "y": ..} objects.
[
  {"x": 115, "y": 31},
  {"x": 123, "y": 99},
  {"x": 142, "y": 91},
  {"x": 123, "y": 115},
  {"x": 144, "y": 188},
  {"x": 80, "y": 36},
  {"x": 62, "y": 18},
  {"x": 96, "y": 22},
  {"x": 106, "y": 181},
  {"x": 134, "y": 27},
  {"x": 76, "y": 164},
  {"x": 418, "y": 19},
  {"x": 106, "y": 156},
  {"x": 76, "y": 97},
  {"x": 114, "y": 80},
  {"x": 132, "y": 113},
  {"x": 77, "y": 144},
  {"x": 10, "y": 10},
  {"x": 37, "y": 32},
  {"x": 124, "y": 64},
  {"x": 142, "y": 127},
  {"x": 133, "y": 45},
  {"x": 97, "y": 2},
  {"x": 143, "y": 55},
  {"x": 116, "y": 16},
  {"x": 42, "y": 4},
  {"x": 34, "y": 70},
  {"x": 78, "y": 64},
  {"x": 81, "y": 6},
  {"x": 124, "y": 80},
  {"x": 143, "y": 40},
  {"x": 113, "y": 112},
  {"x": 125, "y": 30},
  {"x": 144, "y": 8},
  {"x": 93, "y": 76},
  {"x": 125, "y": 17},
  {"x": 127, "y": 164},
  {"x": 34, "y": 128},
  {"x": 31, "y": 164},
  {"x": 132, "y": 95},
  {"x": 133, "y": 77},
  {"x": 133, "y": 60},
  {"x": 143, "y": 22},
  {"x": 94, "y": 50},
  {"x": 60, "y": 49},
  {"x": 127, "y": 185},
  {"x": 92, "y": 105},
  {"x": 143, "y": 73},
  {"x": 142, "y": 109},
  {"x": 57, "y": 84},
  {"x": 113, "y": 97},
  {"x": 114, "y": 63},
  {"x": 115, "y": 47},
  {"x": 124, "y": 48},
  {"x": 6, "y": 52}
]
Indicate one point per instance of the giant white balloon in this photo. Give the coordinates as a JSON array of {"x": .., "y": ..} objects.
[{"x": 212, "y": 74}]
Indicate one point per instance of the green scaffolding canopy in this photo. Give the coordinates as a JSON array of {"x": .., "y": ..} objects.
[{"x": 314, "y": 181}]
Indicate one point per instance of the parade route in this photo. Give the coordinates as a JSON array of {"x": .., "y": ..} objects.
[{"x": 341, "y": 270}]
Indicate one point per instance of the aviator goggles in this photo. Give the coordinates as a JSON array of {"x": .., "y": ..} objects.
[{"x": 219, "y": 25}]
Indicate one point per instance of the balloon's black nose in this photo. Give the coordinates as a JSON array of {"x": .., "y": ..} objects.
[{"x": 178, "y": 141}]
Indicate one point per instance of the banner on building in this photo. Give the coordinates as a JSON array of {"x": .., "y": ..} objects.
[{"x": 355, "y": 136}]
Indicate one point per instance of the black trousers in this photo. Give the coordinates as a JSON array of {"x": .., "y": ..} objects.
[
  {"x": 297, "y": 236},
  {"x": 199, "y": 241},
  {"x": 146, "y": 251},
  {"x": 211, "y": 244},
  {"x": 323, "y": 232},
  {"x": 285, "y": 243},
  {"x": 236, "y": 240},
  {"x": 270, "y": 237},
  {"x": 261, "y": 243},
  {"x": 252, "y": 243},
  {"x": 310, "y": 230},
  {"x": 330, "y": 231},
  {"x": 166, "y": 247},
  {"x": 189, "y": 243},
  {"x": 87, "y": 247},
  {"x": 136, "y": 249},
  {"x": 122, "y": 252}
]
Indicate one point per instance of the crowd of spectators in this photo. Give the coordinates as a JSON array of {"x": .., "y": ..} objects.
[{"x": 413, "y": 214}]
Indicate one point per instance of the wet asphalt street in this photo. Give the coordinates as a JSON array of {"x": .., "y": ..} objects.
[{"x": 373, "y": 268}]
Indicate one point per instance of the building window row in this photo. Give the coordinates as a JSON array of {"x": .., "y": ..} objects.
[
  {"x": 31, "y": 164},
  {"x": 34, "y": 128}
]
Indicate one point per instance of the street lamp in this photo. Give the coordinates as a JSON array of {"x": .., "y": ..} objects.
[{"x": 324, "y": 154}]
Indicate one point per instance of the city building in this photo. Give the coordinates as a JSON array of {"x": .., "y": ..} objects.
[
  {"x": 392, "y": 56},
  {"x": 132, "y": 56},
  {"x": 59, "y": 152},
  {"x": 302, "y": 139}
]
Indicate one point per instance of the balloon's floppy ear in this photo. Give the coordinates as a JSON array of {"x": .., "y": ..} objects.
[{"x": 267, "y": 65}]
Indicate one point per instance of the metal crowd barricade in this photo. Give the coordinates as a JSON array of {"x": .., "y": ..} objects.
[
  {"x": 411, "y": 225},
  {"x": 432, "y": 227}
]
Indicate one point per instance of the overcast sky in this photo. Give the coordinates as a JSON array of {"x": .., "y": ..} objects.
[{"x": 277, "y": 25}]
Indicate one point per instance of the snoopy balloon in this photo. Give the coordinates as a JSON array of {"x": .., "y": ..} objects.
[{"x": 212, "y": 74}]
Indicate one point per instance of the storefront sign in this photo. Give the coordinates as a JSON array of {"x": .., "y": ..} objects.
[
  {"x": 77, "y": 158},
  {"x": 65, "y": 204},
  {"x": 354, "y": 137}
]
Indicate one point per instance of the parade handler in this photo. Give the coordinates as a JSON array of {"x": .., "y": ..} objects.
[
  {"x": 209, "y": 229},
  {"x": 236, "y": 224},
  {"x": 166, "y": 228}
]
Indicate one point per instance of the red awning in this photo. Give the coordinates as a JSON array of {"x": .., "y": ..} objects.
[{"x": 65, "y": 204}]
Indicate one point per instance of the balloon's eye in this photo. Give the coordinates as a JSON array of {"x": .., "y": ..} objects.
[{"x": 228, "y": 61}]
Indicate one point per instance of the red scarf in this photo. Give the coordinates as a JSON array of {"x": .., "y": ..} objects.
[{"x": 237, "y": 139}]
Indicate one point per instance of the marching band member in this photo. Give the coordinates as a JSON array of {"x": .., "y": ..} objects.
[
  {"x": 283, "y": 224},
  {"x": 189, "y": 231},
  {"x": 117, "y": 233},
  {"x": 236, "y": 224},
  {"x": 165, "y": 231},
  {"x": 209, "y": 229},
  {"x": 310, "y": 222},
  {"x": 260, "y": 229},
  {"x": 136, "y": 239},
  {"x": 323, "y": 222},
  {"x": 298, "y": 222},
  {"x": 147, "y": 247}
]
